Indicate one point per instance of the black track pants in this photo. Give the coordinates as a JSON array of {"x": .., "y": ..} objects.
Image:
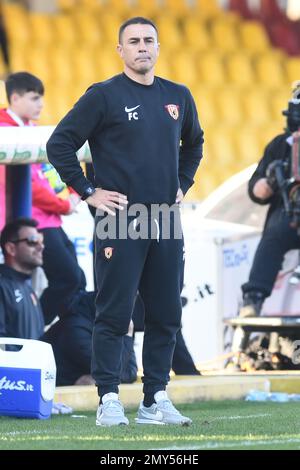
[{"x": 152, "y": 266}]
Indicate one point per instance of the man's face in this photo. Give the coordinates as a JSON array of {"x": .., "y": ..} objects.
[
  {"x": 27, "y": 106},
  {"x": 139, "y": 48},
  {"x": 26, "y": 250}
]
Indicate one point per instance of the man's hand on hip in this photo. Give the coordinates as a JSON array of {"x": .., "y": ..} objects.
[
  {"x": 106, "y": 200},
  {"x": 179, "y": 196}
]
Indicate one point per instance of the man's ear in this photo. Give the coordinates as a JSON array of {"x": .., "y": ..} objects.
[
  {"x": 120, "y": 50},
  {"x": 10, "y": 248},
  {"x": 14, "y": 97}
]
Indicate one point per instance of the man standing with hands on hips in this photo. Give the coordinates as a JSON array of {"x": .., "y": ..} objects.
[{"x": 146, "y": 145}]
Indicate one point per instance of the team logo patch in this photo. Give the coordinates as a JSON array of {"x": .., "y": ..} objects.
[
  {"x": 173, "y": 110},
  {"x": 108, "y": 252}
]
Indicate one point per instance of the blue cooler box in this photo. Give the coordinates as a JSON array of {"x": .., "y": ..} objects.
[{"x": 27, "y": 378}]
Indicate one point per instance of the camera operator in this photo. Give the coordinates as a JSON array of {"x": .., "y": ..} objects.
[{"x": 279, "y": 236}]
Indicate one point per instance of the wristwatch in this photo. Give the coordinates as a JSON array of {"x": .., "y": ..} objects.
[{"x": 88, "y": 192}]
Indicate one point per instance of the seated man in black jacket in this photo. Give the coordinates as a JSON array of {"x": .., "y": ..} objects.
[{"x": 20, "y": 312}]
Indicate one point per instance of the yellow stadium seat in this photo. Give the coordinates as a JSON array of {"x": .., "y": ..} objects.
[
  {"x": 292, "y": 68},
  {"x": 64, "y": 31},
  {"x": 256, "y": 103},
  {"x": 178, "y": 8},
  {"x": 147, "y": 8},
  {"x": 84, "y": 71},
  {"x": 107, "y": 64},
  {"x": 253, "y": 37},
  {"x": 206, "y": 179},
  {"x": 279, "y": 102},
  {"x": 13, "y": 10},
  {"x": 3, "y": 100},
  {"x": 109, "y": 24},
  {"x": 211, "y": 69},
  {"x": 47, "y": 118},
  {"x": 61, "y": 65},
  {"x": 163, "y": 68},
  {"x": 123, "y": 8},
  {"x": 205, "y": 101},
  {"x": 88, "y": 5},
  {"x": 170, "y": 35},
  {"x": 221, "y": 144},
  {"x": 38, "y": 64},
  {"x": 270, "y": 130},
  {"x": 248, "y": 145},
  {"x": 196, "y": 35},
  {"x": 240, "y": 69},
  {"x": 207, "y": 9},
  {"x": 183, "y": 69},
  {"x": 41, "y": 29},
  {"x": 18, "y": 57},
  {"x": 228, "y": 105},
  {"x": 269, "y": 71},
  {"x": 16, "y": 23},
  {"x": 2, "y": 69},
  {"x": 88, "y": 29},
  {"x": 224, "y": 36},
  {"x": 66, "y": 5}
]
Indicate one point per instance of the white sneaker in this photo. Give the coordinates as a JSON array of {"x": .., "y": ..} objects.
[
  {"x": 111, "y": 411},
  {"x": 161, "y": 412}
]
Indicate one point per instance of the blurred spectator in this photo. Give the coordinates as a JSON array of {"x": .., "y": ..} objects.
[
  {"x": 50, "y": 198},
  {"x": 4, "y": 41},
  {"x": 20, "y": 311}
]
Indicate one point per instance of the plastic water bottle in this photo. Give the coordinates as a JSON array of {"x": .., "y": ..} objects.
[
  {"x": 279, "y": 397},
  {"x": 294, "y": 397},
  {"x": 257, "y": 395}
]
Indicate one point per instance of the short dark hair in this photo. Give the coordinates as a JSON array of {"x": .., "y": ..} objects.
[
  {"x": 23, "y": 82},
  {"x": 135, "y": 20},
  {"x": 11, "y": 230}
]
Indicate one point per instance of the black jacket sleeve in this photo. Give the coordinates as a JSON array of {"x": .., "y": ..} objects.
[
  {"x": 272, "y": 152},
  {"x": 191, "y": 144},
  {"x": 71, "y": 133}
]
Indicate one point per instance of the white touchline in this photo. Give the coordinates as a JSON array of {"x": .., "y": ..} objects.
[
  {"x": 216, "y": 445},
  {"x": 218, "y": 418}
]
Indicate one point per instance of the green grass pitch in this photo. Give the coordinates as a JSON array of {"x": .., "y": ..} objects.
[{"x": 216, "y": 425}]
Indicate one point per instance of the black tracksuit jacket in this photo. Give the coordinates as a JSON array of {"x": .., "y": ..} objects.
[
  {"x": 120, "y": 119},
  {"x": 20, "y": 311}
]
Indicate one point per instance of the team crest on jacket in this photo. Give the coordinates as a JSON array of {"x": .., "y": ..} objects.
[
  {"x": 173, "y": 110},
  {"x": 108, "y": 252}
]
